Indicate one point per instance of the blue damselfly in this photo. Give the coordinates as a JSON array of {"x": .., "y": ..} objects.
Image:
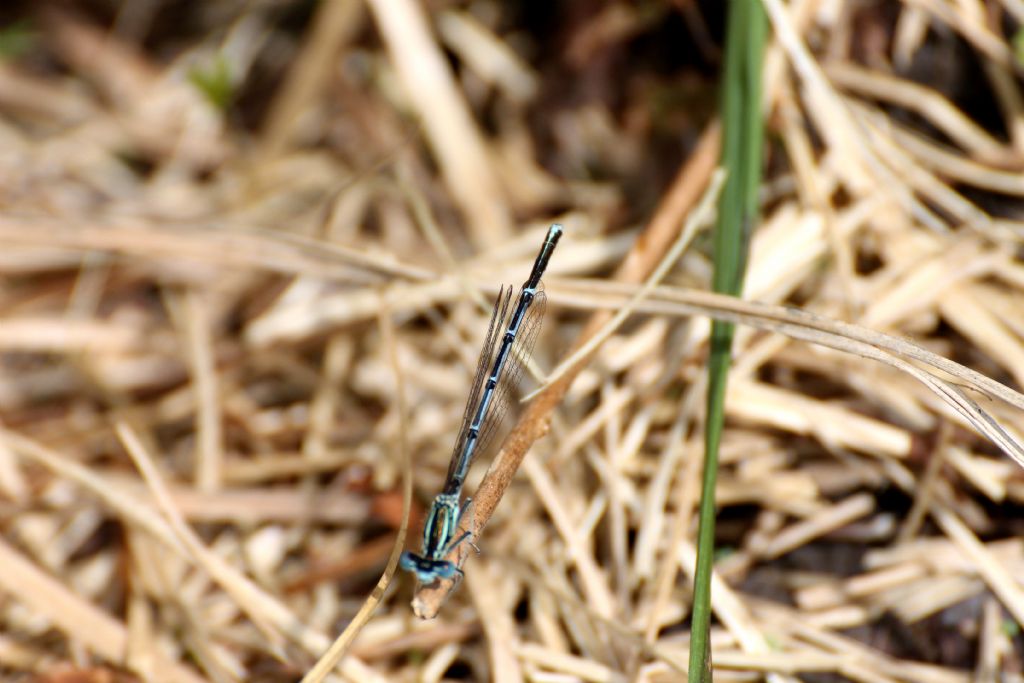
[{"x": 498, "y": 372}]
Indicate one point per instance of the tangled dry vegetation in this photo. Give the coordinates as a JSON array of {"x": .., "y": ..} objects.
[{"x": 235, "y": 236}]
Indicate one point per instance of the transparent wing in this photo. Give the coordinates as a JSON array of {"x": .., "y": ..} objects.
[
  {"x": 495, "y": 331},
  {"x": 508, "y": 384}
]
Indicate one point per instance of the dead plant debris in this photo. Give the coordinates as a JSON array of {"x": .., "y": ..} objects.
[{"x": 231, "y": 231}]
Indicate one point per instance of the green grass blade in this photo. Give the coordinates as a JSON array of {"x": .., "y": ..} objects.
[{"x": 737, "y": 214}]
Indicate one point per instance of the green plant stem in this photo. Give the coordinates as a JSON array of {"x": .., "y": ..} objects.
[{"x": 737, "y": 214}]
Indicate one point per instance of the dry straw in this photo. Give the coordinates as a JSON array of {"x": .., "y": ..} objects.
[{"x": 209, "y": 332}]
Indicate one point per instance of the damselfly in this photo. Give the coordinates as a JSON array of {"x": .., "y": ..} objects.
[{"x": 498, "y": 371}]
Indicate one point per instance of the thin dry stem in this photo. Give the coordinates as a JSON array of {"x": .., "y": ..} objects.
[{"x": 341, "y": 645}]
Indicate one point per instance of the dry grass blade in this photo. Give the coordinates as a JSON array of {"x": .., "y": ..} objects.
[
  {"x": 936, "y": 109},
  {"x": 137, "y": 511},
  {"x": 336, "y": 652},
  {"x": 453, "y": 133},
  {"x": 838, "y": 335},
  {"x": 223, "y": 246},
  {"x": 93, "y": 627},
  {"x": 242, "y": 591}
]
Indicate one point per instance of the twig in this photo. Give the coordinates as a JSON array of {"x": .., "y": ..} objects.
[{"x": 327, "y": 663}]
